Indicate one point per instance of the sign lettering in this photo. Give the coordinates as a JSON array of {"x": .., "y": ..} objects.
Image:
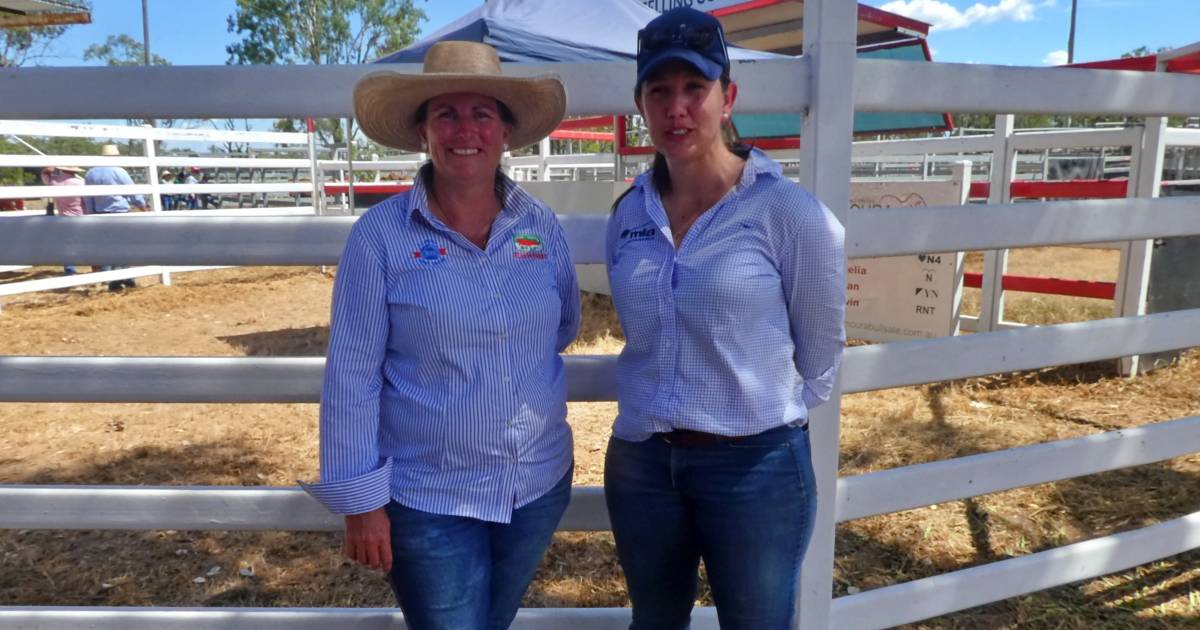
[{"x": 663, "y": 6}]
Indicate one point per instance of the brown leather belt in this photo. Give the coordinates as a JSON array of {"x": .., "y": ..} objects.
[{"x": 686, "y": 438}]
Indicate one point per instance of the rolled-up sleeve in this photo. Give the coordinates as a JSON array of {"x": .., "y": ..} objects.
[
  {"x": 354, "y": 477},
  {"x": 813, "y": 270}
]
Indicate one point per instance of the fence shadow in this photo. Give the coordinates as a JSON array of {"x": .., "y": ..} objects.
[
  {"x": 286, "y": 342},
  {"x": 178, "y": 568}
]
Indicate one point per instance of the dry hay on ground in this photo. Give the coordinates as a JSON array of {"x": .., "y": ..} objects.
[{"x": 283, "y": 312}]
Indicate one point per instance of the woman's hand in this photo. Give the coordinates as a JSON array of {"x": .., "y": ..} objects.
[{"x": 369, "y": 539}]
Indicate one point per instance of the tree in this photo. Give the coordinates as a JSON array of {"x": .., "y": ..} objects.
[
  {"x": 320, "y": 32},
  {"x": 121, "y": 50},
  {"x": 19, "y": 46},
  {"x": 27, "y": 44}
]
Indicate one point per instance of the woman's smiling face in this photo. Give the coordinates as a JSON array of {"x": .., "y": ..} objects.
[{"x": 465, "y": 134}]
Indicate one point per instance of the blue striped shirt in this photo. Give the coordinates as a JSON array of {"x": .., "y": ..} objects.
[
  {"x": 741, "y": 329},
  {"x": 105, "y": 204},
  {"x": 444, "y": 389}
]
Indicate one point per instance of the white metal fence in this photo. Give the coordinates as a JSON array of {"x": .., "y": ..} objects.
[
  {"x": 828, "y": 84},
  {"x": 153, "y": 190}
]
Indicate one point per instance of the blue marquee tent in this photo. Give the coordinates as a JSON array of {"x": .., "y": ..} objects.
[{"x": 539, "y": 31}]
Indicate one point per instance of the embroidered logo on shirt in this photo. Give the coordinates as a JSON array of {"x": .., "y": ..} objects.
[
  {"x": 643, "y": 232},
  {"x": 430, "y": 253},
  {"x": 529, "y": 245}
]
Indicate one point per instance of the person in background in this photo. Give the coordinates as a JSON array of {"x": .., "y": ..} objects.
[
  {"x": 728, "y": 279},
  {"x": 65, "y": 206},
  {"x": 444, "y": 438},
  {"x": 111, "y": 204},
  {"x": 168, "y": 201},
  {"x": 192, "y": 198},
  {"x": 207, "y": 199}
]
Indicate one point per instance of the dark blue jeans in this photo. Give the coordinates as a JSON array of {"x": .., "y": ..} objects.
[
  {"x": 457, "y": 573},
  {"x": 746, "y": 508}
]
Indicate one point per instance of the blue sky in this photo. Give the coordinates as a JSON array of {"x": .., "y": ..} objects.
[{"x": 1016, "y": 32}]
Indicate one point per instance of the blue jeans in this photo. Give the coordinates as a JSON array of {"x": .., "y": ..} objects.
[
  {"x": 458, "y": 573},
  {"x": 746, "y": 508}
]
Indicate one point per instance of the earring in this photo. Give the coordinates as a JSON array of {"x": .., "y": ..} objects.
[
  {"x": 424, "y": 145},
  {"x": 506, "y": 146}
]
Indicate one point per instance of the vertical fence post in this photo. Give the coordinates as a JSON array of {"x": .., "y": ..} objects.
[
  {"x": 995, "y": 262},
  {"x": 830, "y": 42},
  {"x": 1145, "y": 180},
  {"x": 152, "y": 179},
  {"x": 544, "y": 160},
  {"x": 314, "y": 169}
]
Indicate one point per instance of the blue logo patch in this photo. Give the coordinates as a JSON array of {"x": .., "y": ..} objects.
[{"x": 430, "y": 253}]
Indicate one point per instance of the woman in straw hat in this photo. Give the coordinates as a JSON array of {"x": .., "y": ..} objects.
[
  {"x": 726, "y": 353},
  {"x": 443, "y": 415}
]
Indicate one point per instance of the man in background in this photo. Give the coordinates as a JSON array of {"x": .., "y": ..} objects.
[{"x": 111, "y": 204}]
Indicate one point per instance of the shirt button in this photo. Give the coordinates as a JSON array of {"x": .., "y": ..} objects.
[
  {"x": 496, "y": 295},
  {"x": 503, "y": 335},
  {"x": 507, "y": 379}
]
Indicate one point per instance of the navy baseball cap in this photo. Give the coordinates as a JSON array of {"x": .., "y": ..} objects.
[{"x": 688, "y": 35}]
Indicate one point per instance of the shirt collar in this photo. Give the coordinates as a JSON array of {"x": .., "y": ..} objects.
[
  {"x": 514, "y": 201},
  {"x": 757, "y": 164}
]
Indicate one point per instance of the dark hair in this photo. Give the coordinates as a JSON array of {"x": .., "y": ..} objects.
[{"x": 661, "y": 175}]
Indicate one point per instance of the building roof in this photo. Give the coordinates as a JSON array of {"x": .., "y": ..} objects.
[
  {"x": 778, "y": 25},
  {"x": 14, "y": 13}
]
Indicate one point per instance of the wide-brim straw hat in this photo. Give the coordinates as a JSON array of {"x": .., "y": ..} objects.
[{"x": 386, "y": 102}]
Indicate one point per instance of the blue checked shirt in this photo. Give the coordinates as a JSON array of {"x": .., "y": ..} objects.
[
  {"x": 444, "y": 389},
  {"x": 741, "y": 329}
]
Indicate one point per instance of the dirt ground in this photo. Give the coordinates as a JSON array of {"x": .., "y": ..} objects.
[{"x": 284, "y": 312}]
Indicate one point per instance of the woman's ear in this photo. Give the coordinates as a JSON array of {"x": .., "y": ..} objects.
[{"x": 730, "y": 94}]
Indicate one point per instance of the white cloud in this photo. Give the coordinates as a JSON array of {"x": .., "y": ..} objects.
[
  {"x": 945, "y": 16},
  {"x": 1055, "y": 58}
]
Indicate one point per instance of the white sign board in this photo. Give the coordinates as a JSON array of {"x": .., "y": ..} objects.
[
  {"x": 663, "y": 6},
  {"x": 905, "y": 297}
]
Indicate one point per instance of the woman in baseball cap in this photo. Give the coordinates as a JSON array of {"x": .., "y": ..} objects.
[{"x": 728, "y": 280}]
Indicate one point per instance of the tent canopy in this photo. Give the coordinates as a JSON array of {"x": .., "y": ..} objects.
[{"x": 540, "y": 31}]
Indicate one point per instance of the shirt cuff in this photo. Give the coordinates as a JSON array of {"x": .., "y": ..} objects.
[
  {"x": 816, "y": 391},
  {"x": 357, "y": 495}
]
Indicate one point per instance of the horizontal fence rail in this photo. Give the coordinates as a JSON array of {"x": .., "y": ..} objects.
[
  {"x": 159, "y": 161},
  {"x": 318, "y": 240},
  {"x": 288, "y": 91},
  {"x": 219, "y": 379},
  {"x": 930, "y": 597},
  {"x": 115, "y": 618},
  {"x": 888, "y": 86},
  {"x": 601, "y": 88},
  {"x": 291, "y": 509},
  {"x": 84, "y": 130},
  {"x": 210, "y": 508},
  {"x": 176, "y": 240},
  {"x": 887, "y": 232},
  {"x": 591, "y": 377},
  {"x": 33, "y": 192},
  {"x": 919, "y": 485}
]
